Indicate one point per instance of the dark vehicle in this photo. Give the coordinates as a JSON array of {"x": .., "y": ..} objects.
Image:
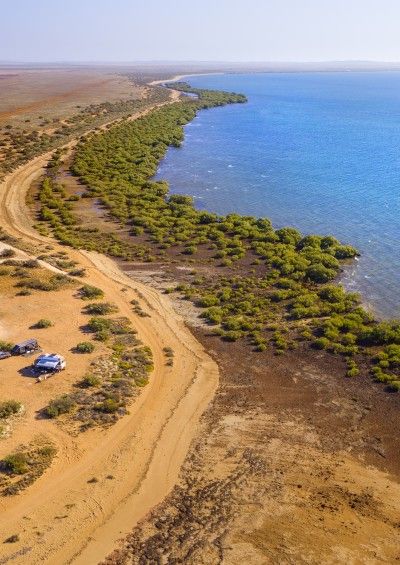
[
  {"x": 26, "y": 347},
  {"x": 4, "y": 354}
]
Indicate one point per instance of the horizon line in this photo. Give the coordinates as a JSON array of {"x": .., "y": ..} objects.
[{"x": 195, "y": 61}]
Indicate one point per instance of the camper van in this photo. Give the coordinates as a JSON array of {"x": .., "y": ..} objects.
[{"x": 49, "y": 363}]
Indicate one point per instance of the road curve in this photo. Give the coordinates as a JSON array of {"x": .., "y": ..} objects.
[{"x": 143, "y": 451}]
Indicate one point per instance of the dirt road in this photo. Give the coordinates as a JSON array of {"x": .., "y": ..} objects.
[{"x": 63, "y": 518}]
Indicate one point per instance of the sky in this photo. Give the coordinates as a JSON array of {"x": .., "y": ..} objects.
[{"x": 205, "y": 30}]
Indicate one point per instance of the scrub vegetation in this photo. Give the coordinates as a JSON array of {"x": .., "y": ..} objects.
[
  {"x": 22, "y": 467},
  {"x": 274, "y": 288},
  {"x": 25, "y": 277},
  {"x": 103, "y": 395},
  {"x": 42, "y": 324},
  {"x": 9, "y": 408},
  {"x": 18, "y": 144}
]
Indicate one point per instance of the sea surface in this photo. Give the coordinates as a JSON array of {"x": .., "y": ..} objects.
[{"x": 318, "y": 151}]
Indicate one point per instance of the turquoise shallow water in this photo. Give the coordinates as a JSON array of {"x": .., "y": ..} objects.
[{"x": 318, "y": 151}]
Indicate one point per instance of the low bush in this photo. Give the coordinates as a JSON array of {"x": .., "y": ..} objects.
[
  {"x": 7, "y": 253},
  {"x": 100, "y": 309},
  {"x": 168, "y": 351},
  {"x": 61, "y": 405},
  {"x": 104, "y": 327},
  {"x": 16, "y": 463},
  {"x": 12, "y": 539},
  {"x": 89, "y": 292},
  {"x": 9, "y": 408},
  {"x": 43, "y": 323},
  {"x": 77, "y": 273},
  {"x": 30, "y": 264},
  {"x": 89, "y": 381},
  {"x": 109, "y": 406},
  {"x": 352, "y": 369},
  {"x": 84, "y": 347}
]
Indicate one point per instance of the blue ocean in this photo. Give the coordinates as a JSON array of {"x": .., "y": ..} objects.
[{"x": 317, "y": 151}]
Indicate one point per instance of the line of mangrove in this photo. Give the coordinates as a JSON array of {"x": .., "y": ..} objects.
[{"x": 273, "y": 288}]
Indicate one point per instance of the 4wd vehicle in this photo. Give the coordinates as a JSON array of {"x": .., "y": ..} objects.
[{"x": 49, "y": 363}]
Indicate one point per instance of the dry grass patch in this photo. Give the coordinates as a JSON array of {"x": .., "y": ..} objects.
[
  {"x": 18, "y": 278},
  {"x": 25, "y": 465}
]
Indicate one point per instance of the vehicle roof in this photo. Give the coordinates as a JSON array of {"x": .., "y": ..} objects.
[
  {"x": 26, "y": 342},
  {"x": 50, "y": 357}
]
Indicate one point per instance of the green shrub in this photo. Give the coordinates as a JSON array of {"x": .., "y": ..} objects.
[
  {"x": 190, "y": 250},
  {"x": 207, "y": 300},
  {"x": 102, "y": 335},
  {"x": 321, "y": 343},
  {"x": 77, "y": 273},
  {"x": 352, "y": 369},
  {"x": 100, "y": 309},
  {"x": 232, "y": 335},
  {"x": 168, "y": 351},
  {"x": 214, "y": 315},
  {"x": 84, "y": 347},
  {"x": 90, "y": 381},
  {"x": 280, "y": 341},
  {"x": 116, "y": 326},
  {"x": 8, "y": 408},
  {"x": 61, "y": 405},
  {"x": 109, "y": 406},
  {"x": 320, "y": 274},
  {"x": 345, "y": 252},
  {"x": 89, "y": 292},
  {"x": 16, "y": 463},
  {"x": 43, "y": 323},
  {"x": 56, "y": 282}
]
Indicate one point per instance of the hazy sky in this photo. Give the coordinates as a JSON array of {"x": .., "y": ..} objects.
[{"x": 219, "y": 30}]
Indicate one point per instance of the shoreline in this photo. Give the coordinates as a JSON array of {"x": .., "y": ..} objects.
[
  {"x": 177, "y": 78},
  {"x": 344, "y": 280}
]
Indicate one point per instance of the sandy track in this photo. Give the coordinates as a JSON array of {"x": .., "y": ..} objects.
[{"x": 143, "y": 451}]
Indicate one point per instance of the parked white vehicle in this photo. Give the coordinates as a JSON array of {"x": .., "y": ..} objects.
[{"x": 49, "y": 363}]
